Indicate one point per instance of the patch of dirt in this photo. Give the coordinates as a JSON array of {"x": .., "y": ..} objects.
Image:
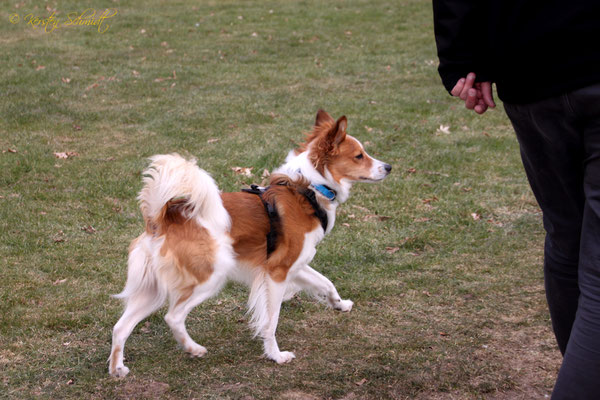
[
  {"x": 142, "y": 390},
  {"x": 533, "y": 358},
  {"x": 297, "y": 395}
]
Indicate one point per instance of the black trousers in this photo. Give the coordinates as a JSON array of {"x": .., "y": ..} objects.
[{"x": 560, "y": 148}]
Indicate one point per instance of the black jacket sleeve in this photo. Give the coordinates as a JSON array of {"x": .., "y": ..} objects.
[{"x": 460, "y": 33}]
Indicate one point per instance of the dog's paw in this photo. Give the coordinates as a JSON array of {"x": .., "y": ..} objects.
[
  {"x": 118, "y": 372},
  {"x": 196, "y": 350},
  {"x": 282, "y": 357},
  {"x": 344, "y": 305}
]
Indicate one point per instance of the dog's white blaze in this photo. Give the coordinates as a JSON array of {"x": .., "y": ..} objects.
[{"x": 378, "y": 171}]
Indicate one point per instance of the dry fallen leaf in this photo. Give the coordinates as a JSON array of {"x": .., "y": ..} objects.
[
  {"x": 59, "y": 281},
  {"x": 411, "y": 170},
  {"x": 88, "y": 229},
  {"x": 165, "y": 79},
  {"x": 346, "y": 225},
  {"x": 444, "y": 129},
  {"x": 443, "y": 334},
  {"x": 361, "y": 382},
  {"x": 66, "y": 154},
  {"x": 369, "y": 129},
  {"x": 428, "y": 201},
  {"x": 40, "y": 67},
  {"x": 475, "y": 216},
  {"x": 146, "y": 327},
  {"x": 66, "y": 80},
  {"x": 214, "y": 140},
  {"x": 493, "y": 221},
  {"x": 59, "y": 237},
  {"x": 135, "y": 73},
  {"x": 391, "y": 250},
  {"x": 243, "y": 171},
  {"x": 265, "y": 173},
  {"x": 361, "y": 208},
  {"x": 423, "y": 219},
  {"x": 375, "y": 216}
]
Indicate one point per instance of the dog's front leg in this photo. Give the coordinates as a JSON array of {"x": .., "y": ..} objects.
[
  {"x": 274, "y": 293},
  {"x": 321, "y": 288}
]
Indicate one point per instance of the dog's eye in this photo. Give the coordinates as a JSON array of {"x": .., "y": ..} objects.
[{"x": 359, "y": 157}]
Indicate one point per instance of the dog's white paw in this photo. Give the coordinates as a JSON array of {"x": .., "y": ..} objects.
[
  {"x": 196, "y": 350},
  {"x": 118, "y": 372},
  {"x": 344, "y": 305},
  {"x": 282, "y": 357}
]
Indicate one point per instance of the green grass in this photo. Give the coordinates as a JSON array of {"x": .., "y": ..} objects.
[{"x": 446, "y": 306}]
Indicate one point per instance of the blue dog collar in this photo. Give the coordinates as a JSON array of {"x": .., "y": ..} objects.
[{"x": 325, "y": 191}]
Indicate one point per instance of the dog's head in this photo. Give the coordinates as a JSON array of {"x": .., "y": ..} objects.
[
  {"x": 338, "y": 158},
  {"x": 333, "y": 151}
]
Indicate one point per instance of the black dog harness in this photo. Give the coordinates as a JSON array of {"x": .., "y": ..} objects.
[{"x": 275, "y": 220}]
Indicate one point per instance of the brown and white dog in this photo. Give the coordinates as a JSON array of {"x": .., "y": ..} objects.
[{"x": 197, "y": 238}]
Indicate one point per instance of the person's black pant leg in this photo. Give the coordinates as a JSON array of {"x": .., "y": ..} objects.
[
  {"x": 552, "y": 152},
  {"x": 560, "y": 147},
  {"x": 579, "y": 376}
]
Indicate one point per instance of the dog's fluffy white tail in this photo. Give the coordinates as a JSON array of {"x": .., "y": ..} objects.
[{"x": 172, "y": 177}]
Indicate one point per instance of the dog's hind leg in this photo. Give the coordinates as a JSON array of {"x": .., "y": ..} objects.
[
  {"x": 138, "y": 307},
  {"x": 143, "y": 294},
  {"x": 181, "y": 306},
  {"x": 320, "y": 288}
]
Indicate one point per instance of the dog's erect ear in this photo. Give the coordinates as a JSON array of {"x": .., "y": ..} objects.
[
  {"x": 322, "y": 117},
  {"x": 337, "y": 134}
]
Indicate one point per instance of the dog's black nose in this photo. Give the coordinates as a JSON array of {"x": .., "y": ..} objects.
[{"x": 388, "y": 168}]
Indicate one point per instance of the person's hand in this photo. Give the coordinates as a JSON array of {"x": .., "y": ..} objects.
[{"x": 477, "y": 96}]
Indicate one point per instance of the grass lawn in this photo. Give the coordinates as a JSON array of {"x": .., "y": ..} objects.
[{"x": 442, "y": 260}]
